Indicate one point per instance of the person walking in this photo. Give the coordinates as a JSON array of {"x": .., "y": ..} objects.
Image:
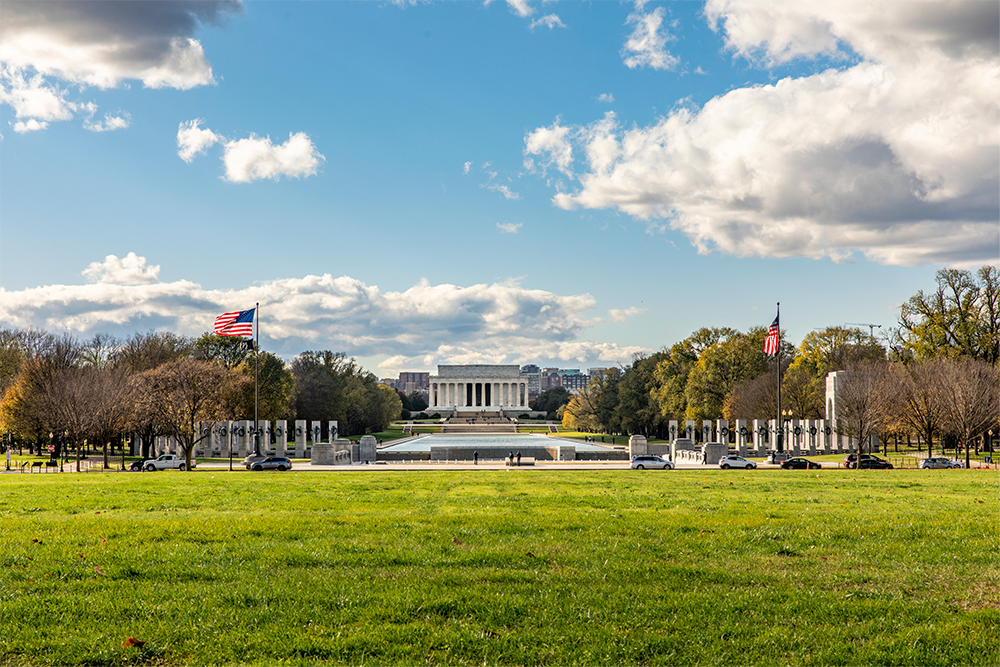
[
  {"x": 475, "y": 458},
  {"x": 519, "y": 458}
]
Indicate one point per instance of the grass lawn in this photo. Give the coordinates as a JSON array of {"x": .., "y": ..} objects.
[{"x": 501, "y": 567}]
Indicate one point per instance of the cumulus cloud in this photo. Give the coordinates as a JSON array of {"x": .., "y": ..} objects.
[
  {"x": 509, "y": 227},
  {"x": 441, "y": 323},
  {"x": 618, "y": 315},
  {"x": 108, "y": 124},
  {"x": 253, "y": 158},
  {"x": 520, "y": 7},
  {"x": 606, "y": 97},
  {"x": 99, "y": 43},
  {"x": 502, "y": 189},
  {"x": 647, "y": 45},
  {"x": 256, "y": 158},
  {"x": 548, "y": 21},
  {"x": 555, "y": 142},
  {"x": 894, "y": 154},
  {"x": 466, "y": 167},
  {"x": 129, "y": 270},
  {"x": 192, "y": 140}
]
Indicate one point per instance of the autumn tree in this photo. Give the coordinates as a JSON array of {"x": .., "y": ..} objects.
[
  {"x": 184, "y": 392},
  {"x": 144, "y": 351}
]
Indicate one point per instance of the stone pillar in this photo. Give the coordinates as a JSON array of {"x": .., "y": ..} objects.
[
  {"x": 759, "y": 436},
  {"x": 672, "y": 429},
  {"x": 367, "y": 453},
  {"x": 334, "y": 429},
  {"x": 795, "y": 437},
  {"x": 637, "y": 446},
  {"x": 722, "y": 431},
  {"x": 281, "y": 435},
  {"x": 301, "y": 433},
  {"x": 689, "y": 429},
  {"x": 741, "y": 436},
  {"x": 706, "y": 431},
  {"x": 810, "y": 436},
  {"x": 264, "y": 431}
]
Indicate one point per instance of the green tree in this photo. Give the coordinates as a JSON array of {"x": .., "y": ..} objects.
[
  {"x": 230, "y": 350},
  {"x": 637, "y": 411},
  {"x": 961, "y": 317},
  {"x": 733, "y": 358},
  {"x": 275, "y": 382},
  {"x": 550, "y": 400}
]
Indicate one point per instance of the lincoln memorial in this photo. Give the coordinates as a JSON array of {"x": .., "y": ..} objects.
[{"x": 478, "y": 388}]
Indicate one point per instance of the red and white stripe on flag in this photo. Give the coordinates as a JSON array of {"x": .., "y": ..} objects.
[
  {"x": 235, "y": 324},
  {"x": 771, "y": 342}
]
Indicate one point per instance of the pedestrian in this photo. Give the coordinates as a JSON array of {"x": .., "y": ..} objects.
[
  {"x": 475, "y": 458},
  {"x": 510, "y": 458},
  {"x": 518, "y": 457}
]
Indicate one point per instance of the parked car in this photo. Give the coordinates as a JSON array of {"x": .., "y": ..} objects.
[
  {"x": 273, "y": 463},
  {"x": 252, "y": 459},
  {"x": 800, "y": 464},
  {"x": 849, "y": 460},
  {"x": 727, "y": 462},
  {"x": 652, "y": 462},
  {"x": 875, "y": 463},
  {"x": 166, "y": 462},
  {"x": 935, "y": 462}
]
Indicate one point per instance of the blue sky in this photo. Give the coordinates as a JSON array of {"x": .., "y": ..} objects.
[{"x": 559, "y": 183}]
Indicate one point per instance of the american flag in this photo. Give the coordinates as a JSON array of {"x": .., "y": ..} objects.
[
  {"x": 235, "y": 324},
  {"x": 771, "y": 342}
]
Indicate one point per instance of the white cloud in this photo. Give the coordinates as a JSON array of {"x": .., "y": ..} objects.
[
  {"x": 129, "y": 270},
  {"x": 647, "y": 45},
  {"x": 256, "y": 158},
  {"x": 431, "y": 323},
  {"x": 548, "y": 21},
  {"x": 192, "y": 140},
  {"x": 622, "y": 315},
  {"x": 606, "y": 97},
  {"x": 100, "y": 44},
  {"x": 520, "y": 7},
  {"x": 31, "y": 125},
  {"x": 502, "y": 189},
  {"x": 895, "y": 155},
  {"x": 466, "y": 167},
  {"x": 509, "y": 227},
  {"x": 110, "y": 123},
  {"x": 554, "y": 141},
  {"x": 253, "y": 158}
]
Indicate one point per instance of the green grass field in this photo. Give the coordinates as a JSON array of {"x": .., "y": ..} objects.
[{"x": 501, "y": 567}]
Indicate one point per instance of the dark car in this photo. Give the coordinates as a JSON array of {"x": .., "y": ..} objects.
[
  {"x": 868, "y": 461},
  {"x": 875, "y": 463},
  {"x": 800, "y": 464},
  {"x": 850, "y": 459},
  {"x": 272, "y": 463}
]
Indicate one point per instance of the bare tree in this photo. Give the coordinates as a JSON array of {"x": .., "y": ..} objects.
[
  {"x": 921, "y": 384},
  {"x": 866, "y": 400},
  {"x": 970, "y": 399}
]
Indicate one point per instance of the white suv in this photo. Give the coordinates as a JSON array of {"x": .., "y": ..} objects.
[
  {"x": 642, "y": 462},
  {"x": 727, "y": 462}
]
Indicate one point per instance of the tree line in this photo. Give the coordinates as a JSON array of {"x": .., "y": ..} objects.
[
  {"x": 56, "y": 387},
  {"x": 933, "y": 374}
]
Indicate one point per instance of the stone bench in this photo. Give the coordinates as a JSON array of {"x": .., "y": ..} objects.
[{"x": 525, "y": 461}]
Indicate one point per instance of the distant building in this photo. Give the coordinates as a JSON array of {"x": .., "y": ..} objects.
[
  {"x": 594, "y": 372},
  {"x": 533, "y": 374},
  {"x": 419, "y": 381},
  {"x": 575, "y": 382}
]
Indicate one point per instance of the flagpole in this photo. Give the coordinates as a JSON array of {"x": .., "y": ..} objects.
[
  {"x": 781, "y": 423},
  {"x": 256, "y": 381}
]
